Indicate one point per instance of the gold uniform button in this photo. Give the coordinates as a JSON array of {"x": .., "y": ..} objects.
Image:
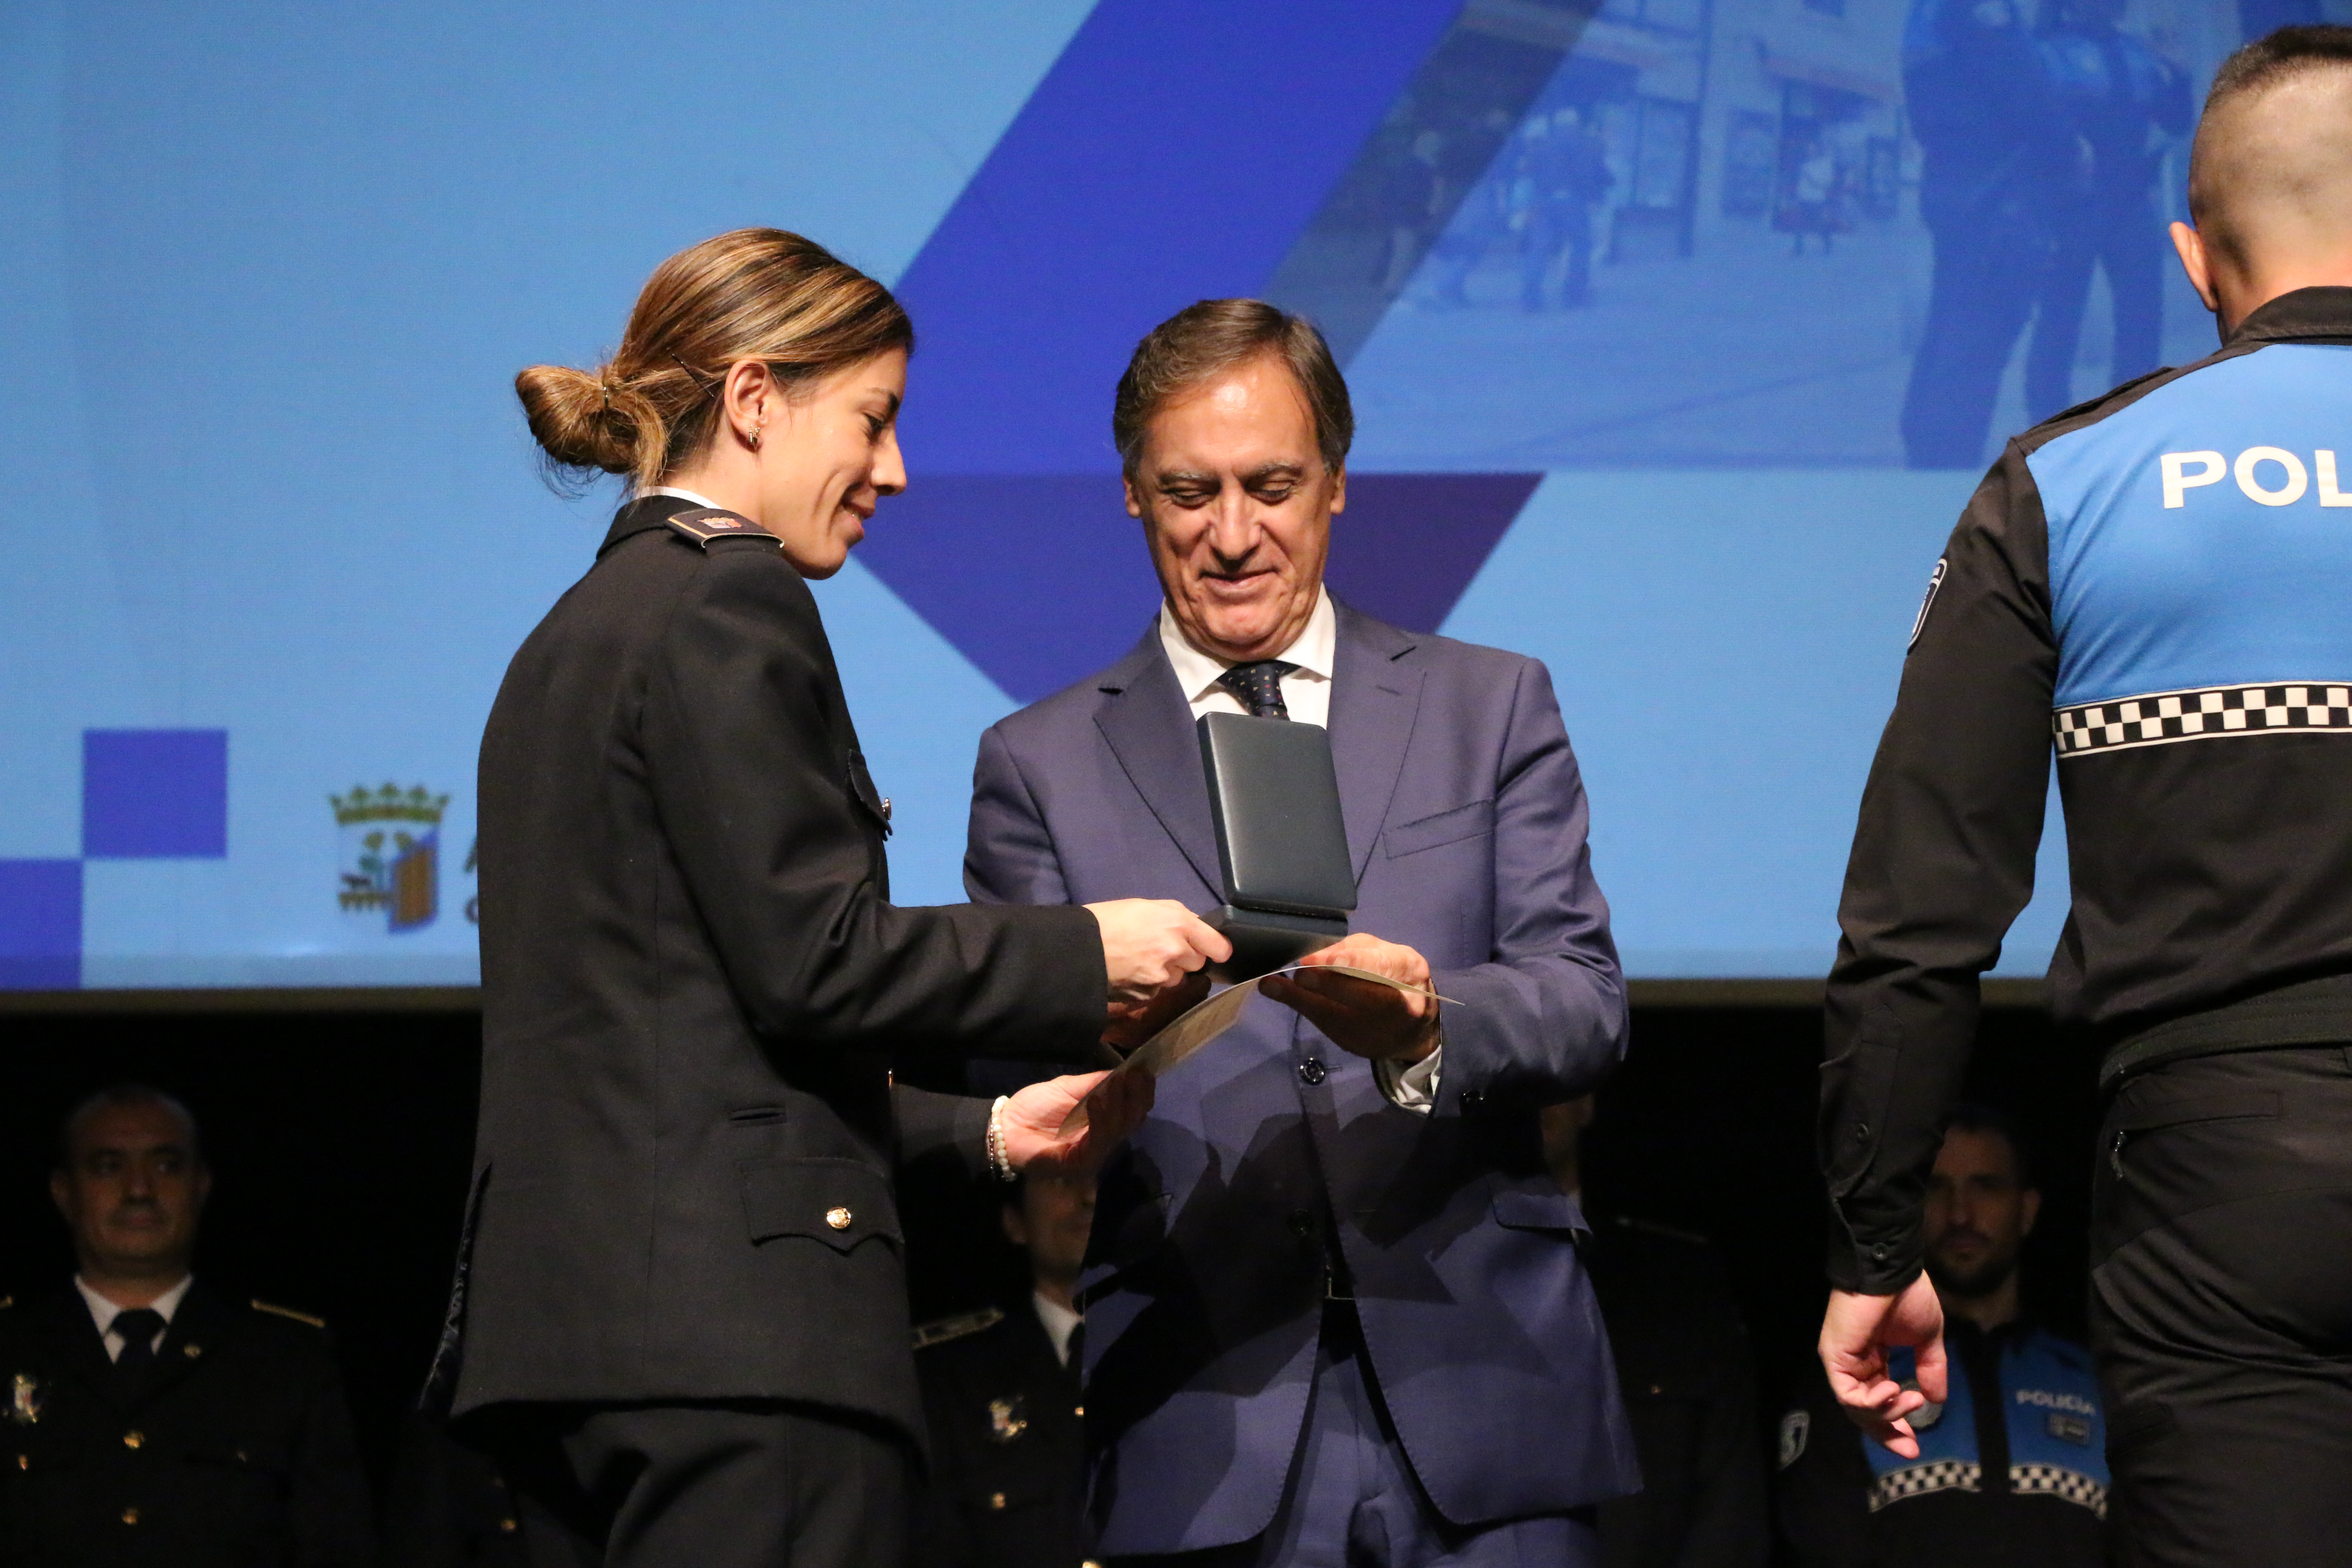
[
  {"x": 1080, "y": 1412},
  {"x": 132, "y": 1439},
  {"x": 509, "y": 1526},
  {"x": 24, "y": 1462},
  {"x": 129, "y": 1516},
  {"x": 839, "y": 1219},
  {"x": 996, "y": 1500}
]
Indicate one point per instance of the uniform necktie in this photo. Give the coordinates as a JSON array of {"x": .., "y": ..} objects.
[
  {"x": 1259, "y": 686},
  {"x": 137, "y": 1329}
]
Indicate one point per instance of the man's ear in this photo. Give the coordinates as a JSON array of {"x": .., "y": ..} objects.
[
  {"x": 61, "y": 1194},
  {"x": 2029, "y": 1210},
  {"x": 1339, "y": 490},
  {"x": 2191, "y": 245},
  {"x": 1016, "y": 1227},
  {"x": 203, "y": 1186},
  {"x": 1134, "y": 501}
]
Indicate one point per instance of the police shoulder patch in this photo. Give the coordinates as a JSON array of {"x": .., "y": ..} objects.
[
  {"x": 939, "y": 1330},
  {"x": 706, "y": 523},
  {"x": 277, "y": 1311}
]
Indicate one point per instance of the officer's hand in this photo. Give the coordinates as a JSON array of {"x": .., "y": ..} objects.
[
  {"x": 1150, "y": 945},
  {"x": 1034, "y": 1118},
  {"x": 1856, "y": 1335},
  {"x": 1361, "y": 1017},
  {"x": 1132, "y": 1022}
]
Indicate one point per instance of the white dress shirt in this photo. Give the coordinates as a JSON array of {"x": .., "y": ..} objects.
[
  {"x": 1060, "y": 1323},
  {"x": 686, "y": 495},
  {"x": 103, "y": 1312},
  {"x": 1306, "y": 693}
]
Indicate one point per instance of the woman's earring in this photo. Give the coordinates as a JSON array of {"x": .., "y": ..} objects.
[{"x": 752, "y": 437}]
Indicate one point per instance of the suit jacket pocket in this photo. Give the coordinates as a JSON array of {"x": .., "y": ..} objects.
[
  {"x": 1541, "y": 1211},
  {"x": 837, "y": 1202},
  {"x": 1475, "y": 820}
]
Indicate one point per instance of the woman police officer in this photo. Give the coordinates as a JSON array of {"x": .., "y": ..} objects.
[{"x": 682, "y": 1322}]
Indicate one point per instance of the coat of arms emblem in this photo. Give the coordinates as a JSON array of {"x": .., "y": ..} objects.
[
  {"x": 23, "y": 1399},
  {"x": 1006, "y": 1419},
  {"x": 391, "y": 855}
]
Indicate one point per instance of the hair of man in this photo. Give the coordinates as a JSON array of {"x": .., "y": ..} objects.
[
  {"x": 114, "y": 1095},
  {"x": 2270, "y": 174},
  {"x": 1974, "y": 1116},
  {"x": 1205, "y": 340},
  {"x": 754, "y": 294}
]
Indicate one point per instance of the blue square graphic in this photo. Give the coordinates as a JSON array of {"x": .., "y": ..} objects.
[
  {"x": 40, "y": 925},
  {"x": 155, "y": 795}
]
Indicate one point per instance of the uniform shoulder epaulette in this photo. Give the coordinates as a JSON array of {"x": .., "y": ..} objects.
[
  {"x": 939, "y": 1330},
  {"x": 277, "y": 1311},
  {"x": 1658, "y": 1228},
  {"x": 705, "y": 524}
]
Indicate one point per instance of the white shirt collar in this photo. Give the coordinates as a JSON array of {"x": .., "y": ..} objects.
[
  {"x": 686, "y": 495},
  {"x": 1060, "y": 1322},
  {"x": 1314, "y": 650},
  {"x": 103, "y": 1312}
]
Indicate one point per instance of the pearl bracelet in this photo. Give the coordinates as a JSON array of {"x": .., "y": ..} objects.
[{"x": 998, "y": 1160}]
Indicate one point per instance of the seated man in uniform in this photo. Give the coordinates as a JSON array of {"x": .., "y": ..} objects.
[
  {"x": 1000, "y": 1394},
  {"x": 2013, "y": 1468},
  {"x": 148, "y": 1419}
]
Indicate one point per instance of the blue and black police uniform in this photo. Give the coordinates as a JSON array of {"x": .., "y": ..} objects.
[
  {"x": 2157, "y": 586},
  {"x": 2012, "y": 1470}
]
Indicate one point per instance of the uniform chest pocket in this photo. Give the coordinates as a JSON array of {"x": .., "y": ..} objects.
[
  {"x": 840, "y": 1203},
  {"x": 1475, "y": 820}
]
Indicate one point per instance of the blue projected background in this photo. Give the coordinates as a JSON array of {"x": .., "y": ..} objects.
[{"x": 1635, "y": 302}]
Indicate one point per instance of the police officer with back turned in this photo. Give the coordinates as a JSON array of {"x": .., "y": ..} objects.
[{"x": 2157, "y": 583}]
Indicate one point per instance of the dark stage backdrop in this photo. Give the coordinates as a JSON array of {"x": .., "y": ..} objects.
[{"x": 340, "y": 1145}]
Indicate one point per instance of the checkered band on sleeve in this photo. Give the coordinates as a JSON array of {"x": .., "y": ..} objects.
[
  {"x": 2052, "y": 1480},
  {"x": 2215, "y": 712},
  {"x": 1919, "y": 1480}
]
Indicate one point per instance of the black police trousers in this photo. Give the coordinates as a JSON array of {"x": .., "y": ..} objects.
[
  {"x": 748, "y": 1484},
  {"x": 2221, "y": 1308}
]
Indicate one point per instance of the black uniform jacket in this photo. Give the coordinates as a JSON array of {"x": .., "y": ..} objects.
[
  {"x": 1008, "y": 1447},
  {"x": 239, "y": 1452},
  {"x": 2149, "y": 589},
  {"x": 1689, "y": 1383},
  {"x": 693, "y": 987}
]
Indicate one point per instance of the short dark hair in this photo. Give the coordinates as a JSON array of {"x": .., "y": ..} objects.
[
  {"x": 1975, "y": 1116},
  {"x": 1205, "y": 340},
  {"x": 129, "y": 1092},
  {"x": 2286, "y": 53}
]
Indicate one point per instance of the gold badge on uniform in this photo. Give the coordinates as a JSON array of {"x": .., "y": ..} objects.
[
  {"x": 1006, "y": 1419},
  {"x": 24, "y": 1400}
]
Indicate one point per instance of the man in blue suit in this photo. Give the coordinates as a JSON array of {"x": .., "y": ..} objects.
[{"x": 1334, "y": 1308}]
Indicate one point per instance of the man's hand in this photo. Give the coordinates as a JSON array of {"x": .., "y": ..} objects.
[
  {"x": 1033, "y": 1120},
  {"x": 1361, "y": 1017},
  {"x": 1856, "y": 1335},
  {"x": 1150, "y": 945}
]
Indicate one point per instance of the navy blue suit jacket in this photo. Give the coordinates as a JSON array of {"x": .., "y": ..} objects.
[{"x": 1466, "y": 818}]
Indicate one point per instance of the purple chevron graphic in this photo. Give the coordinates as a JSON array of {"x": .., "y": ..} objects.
[{"x": 1171, "y": 153}]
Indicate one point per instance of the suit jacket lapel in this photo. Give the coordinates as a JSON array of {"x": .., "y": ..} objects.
[
  {"x": 201, "y": 1323},
  {"x": 1375, "y": 698},
  {"x": 75, "y": 1344},
  {"x": 1148, "y": 727}
]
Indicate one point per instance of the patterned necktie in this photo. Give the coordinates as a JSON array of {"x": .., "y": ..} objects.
[
  {"x": 1259, "y": 687},
  {"x": 137, "y": 1329}
]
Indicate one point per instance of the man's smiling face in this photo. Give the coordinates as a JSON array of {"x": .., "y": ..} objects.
[{"x": 1236, "y": 504}]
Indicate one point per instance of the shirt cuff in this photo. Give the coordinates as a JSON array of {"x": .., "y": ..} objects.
[{"x": 1414, "y": 1087}]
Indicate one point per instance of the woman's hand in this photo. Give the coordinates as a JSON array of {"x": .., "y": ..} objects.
[{"x": 1032, "y": 1121}]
